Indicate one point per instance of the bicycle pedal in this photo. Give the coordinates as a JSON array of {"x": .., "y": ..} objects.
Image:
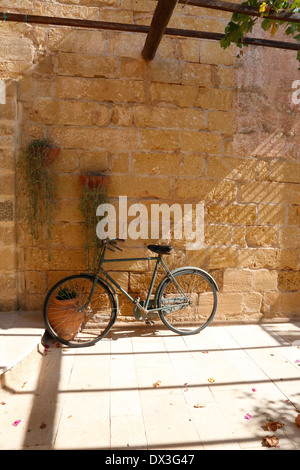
[{"x": 149, "y": 322}]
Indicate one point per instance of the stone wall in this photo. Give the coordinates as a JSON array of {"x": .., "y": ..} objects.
[
  {"x": 8, "y": 271},
  {"x": 195, "y": 125}
]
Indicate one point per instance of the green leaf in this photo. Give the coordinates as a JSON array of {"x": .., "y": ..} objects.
[{"x": 266, "y": 24}]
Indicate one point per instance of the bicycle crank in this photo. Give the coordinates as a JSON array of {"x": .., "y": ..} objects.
[{"x": 139, "y": 310}]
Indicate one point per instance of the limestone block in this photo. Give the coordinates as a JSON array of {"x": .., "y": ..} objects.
[
  {"x": 205, "y": 190},
  {"x": 201, "y": 142},
  {"x": 265, "y": 280},
  {"x": 229, "y": 304},
  {"x": 262, "y": 236},
  {"x": 215, "y": 98},
  {"x": 237, "y": 280},
  {"x": 252, "y": 302},
  {"x": 6, "y": 211},
  {"x": 180, "y": 95},
  {"x": 289, "y": 237},
  {"x": 167, "y": 117},
  {"x": 289, "y": 280},
  {"x": 157, "y": 140},
  {"x": 235, "y": 214},
  {"x": 220, "y": 121},
  {"x": 82, "y": 65}
]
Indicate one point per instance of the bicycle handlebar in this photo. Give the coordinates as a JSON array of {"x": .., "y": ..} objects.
[{"x": 113, "y": 242}]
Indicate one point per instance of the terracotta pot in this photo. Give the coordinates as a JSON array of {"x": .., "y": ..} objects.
[
  {"x": 93, "y": 181},
  {"x": 64, "y": 317},
  {"x": 51, "y": 153}
]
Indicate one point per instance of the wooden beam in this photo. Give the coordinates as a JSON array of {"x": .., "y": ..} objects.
[
  {"x": 244, "y": 9},
  {"x": 247, "y": 40},
  {"x": 160, "y": 20},
  {"x": 78, "y": 23},
  {"x": 74, "y": 22}
]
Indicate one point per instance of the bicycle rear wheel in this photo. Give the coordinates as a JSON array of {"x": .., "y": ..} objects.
[
  {"x": 67, "y": 323},
  {"x": 188, "y": 301}
]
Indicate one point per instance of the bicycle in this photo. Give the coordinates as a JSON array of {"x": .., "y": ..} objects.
[{"x": 79, "y": 310}]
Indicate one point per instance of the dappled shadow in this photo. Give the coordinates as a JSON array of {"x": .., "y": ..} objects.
[
  {"x": 107, "y": 391},
  {"x": 249, "y": 195}
]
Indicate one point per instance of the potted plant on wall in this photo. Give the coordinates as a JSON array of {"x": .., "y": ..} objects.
[
  {"x": 94, "y": 193},
  {"x": 39, "y": 188},
  {"x": 63, "y": 314},
  {"x": 94, "y": 179}
]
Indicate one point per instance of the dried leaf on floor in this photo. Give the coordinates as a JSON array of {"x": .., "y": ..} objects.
[
  {"x": 211, "y": 380},
  {"x": 156, "y": 384},
  {"x": 200, "y": 405},
  {"x": 273, "y": 425},
  {"x": 297, "y": 421},
  {"x": 271, "y": 441}
]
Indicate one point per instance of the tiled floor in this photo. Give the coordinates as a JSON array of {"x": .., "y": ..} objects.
[{"x": 147, "y": 388}]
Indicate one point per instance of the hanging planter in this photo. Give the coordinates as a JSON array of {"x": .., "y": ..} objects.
[
  {"x": 39, "y": 187},
  {"x": 94, "y": 180},
  {"x": 94, "y": 193},
  {"x": 50, "y": 154}
]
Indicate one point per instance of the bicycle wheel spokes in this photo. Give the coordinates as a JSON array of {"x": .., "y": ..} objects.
[
  {"x": 68, "y": 322},
  {"x": 189, "y": 301}
]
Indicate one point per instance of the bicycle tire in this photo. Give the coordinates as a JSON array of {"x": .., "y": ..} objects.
[
  {"x": 187, "y": 317},
  {"x": 66, "y": 323}
]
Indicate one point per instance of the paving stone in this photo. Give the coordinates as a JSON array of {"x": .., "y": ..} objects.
[{"x": 154, "y": 390}]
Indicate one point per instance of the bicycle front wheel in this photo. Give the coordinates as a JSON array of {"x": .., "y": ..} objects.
[
  {"x": 188, "y": 301},
  {"x": 67, "y": 322}
]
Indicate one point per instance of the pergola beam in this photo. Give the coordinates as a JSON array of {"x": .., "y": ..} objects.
[
  {"x": 247, "y": 40},
  {"x": 89, "y": 24},
  {"x": 159, "y": 23},
  {"x": 74, "y": 22},
  {"x": 244, "y": 9}
]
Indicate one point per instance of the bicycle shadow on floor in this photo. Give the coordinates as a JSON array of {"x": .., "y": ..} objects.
[{"x": 136, "y": 330}]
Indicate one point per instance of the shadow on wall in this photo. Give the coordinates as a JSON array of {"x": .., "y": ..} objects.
[{"x": 109, "y": 119}]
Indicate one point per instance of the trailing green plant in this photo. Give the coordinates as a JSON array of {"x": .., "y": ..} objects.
[
  {"x": 241, "y": 24},
  {"x": 39, "y": 188},
  {"x": 66, "y": 294},
  {"x": 91, "y": 198}
]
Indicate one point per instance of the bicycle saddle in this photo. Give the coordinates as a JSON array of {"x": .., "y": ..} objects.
[{"x": 161, "y": 249}]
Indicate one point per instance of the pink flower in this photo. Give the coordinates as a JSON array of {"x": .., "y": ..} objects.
[
  {"x": 15, "y": 423},
  {"x": 248, "y": 416},
  {"x": 254, "y": 389},
  {"x": 297, "y": 361}
]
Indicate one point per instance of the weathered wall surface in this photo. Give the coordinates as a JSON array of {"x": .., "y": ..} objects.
[{"x": 196, "y": 125}]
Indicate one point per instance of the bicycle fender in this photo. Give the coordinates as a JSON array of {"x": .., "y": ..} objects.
[
  {"x": 198, "y": 269},
  {"x": 181, "y": 269}
]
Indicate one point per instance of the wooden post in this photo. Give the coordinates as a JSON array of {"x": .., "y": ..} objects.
[{"x": 160, "y": 20}]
